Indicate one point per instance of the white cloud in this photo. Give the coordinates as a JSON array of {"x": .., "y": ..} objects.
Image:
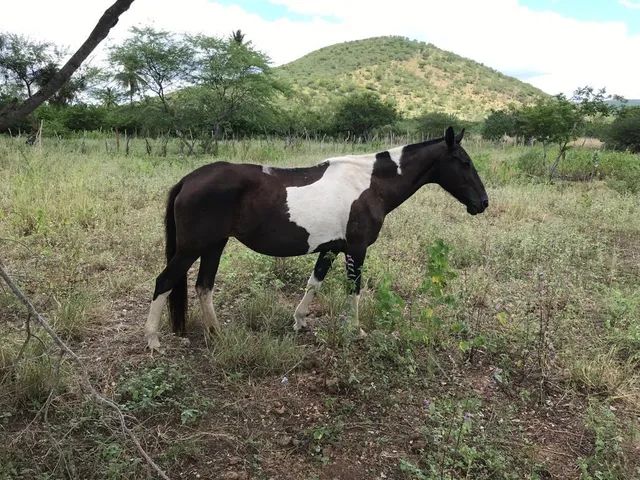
[
  {"x": 499, "y": 33},
  {"x": 630, "y": 4}
]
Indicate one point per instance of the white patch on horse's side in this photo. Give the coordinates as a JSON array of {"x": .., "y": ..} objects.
[
  {"x": 152, "y": 326},
  {"x": 266, "y": 170},
  {"x": 322, "y": 208},
  {"x": 396, "y": 154}
]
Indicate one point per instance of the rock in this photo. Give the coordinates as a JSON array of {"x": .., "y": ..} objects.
[
  {"x": 235, "y": 476},
  {"x": 331, "y": 384},
  {"x": 284, "y": 441}
]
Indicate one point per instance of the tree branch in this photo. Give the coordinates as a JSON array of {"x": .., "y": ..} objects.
[
  {"x": 12, "y": 114},
  {"x": 84, "y": 376}
]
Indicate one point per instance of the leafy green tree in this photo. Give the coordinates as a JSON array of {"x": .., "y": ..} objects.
[
  {"x": 624, "y": 131},
  {"x": 500, "y": 123},
  {"x": 237, "y": 36},
  {"x": 73, "y": 89},
  {"x": 24, "y": 62},
  {"x": 128, "y": 79},
  {"x": 152, "y": 60},
  {"x": 362, "y": 112},
  {"x": 433, "y": 124},
  {"x": 235, "y": 80},
  {"x": 561, "y": 120}
]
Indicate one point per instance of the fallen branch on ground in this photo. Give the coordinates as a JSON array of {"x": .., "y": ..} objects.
[{"x": 84, "y": 376}]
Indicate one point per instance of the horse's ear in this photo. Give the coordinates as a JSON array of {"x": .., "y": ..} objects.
[
  {"x": 449, "y": 137},
  {"x": 459, "y": 136}
]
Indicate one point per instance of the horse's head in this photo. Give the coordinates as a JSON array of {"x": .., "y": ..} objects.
[{"x": 454, "y": 171}]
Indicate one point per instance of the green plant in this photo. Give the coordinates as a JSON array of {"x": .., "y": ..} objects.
[
  {"x": 388, "y": 305},
  {"x": 241, "y": 351},
  {"x": 608, "y": 460}
]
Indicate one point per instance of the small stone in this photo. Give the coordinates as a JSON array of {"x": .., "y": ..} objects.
[
  {"x": 235, "y": 476},
  {"x": 285, "y": 440},
  {"x": 278, "y": 408},
  {"x": 234, "y": 460},
  {"x": 331, "y": 384}
]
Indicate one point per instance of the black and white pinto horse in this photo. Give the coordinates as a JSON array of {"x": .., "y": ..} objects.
[{"x": 336, "y": 206}]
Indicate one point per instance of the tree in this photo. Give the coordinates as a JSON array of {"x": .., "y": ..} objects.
[
  {"x": 500, "y": 123},
  {"x": 237, "y": 36},
  {"x": 561, "y": 120},
  {"x": 25, "y": 63},
  {"x": 362, "y": 112},
  {"x": 624, "y": 131},
  {"x": 13, "y": 113},
  {"x": 433, "y": 124},
  {"x": 235, "y": 79},
  {"x": 71, "y": 90},
  {"x": 152, "y": 60},
  {"x": 128, "y": 78}
]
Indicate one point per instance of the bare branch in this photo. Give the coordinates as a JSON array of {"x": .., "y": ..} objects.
[{"x": 84, "y": 376}]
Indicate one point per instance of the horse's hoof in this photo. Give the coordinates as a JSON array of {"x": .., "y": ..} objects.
[
  {"x": 300, "y": 325},
  {"x": 361, "y": 334},
  {"x": 153, "y": 343}
]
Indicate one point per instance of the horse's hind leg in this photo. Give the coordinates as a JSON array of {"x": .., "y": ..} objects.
[
  {"x": 209, "y": 263},
  {"x": 323, "y": 264},
  {"x": 173, "y": 273}
]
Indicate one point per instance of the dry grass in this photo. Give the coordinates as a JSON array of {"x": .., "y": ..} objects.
[{"x": 82, "y": 233}]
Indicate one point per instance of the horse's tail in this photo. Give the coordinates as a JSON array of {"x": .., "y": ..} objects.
[{"x": 178, "y": 296}]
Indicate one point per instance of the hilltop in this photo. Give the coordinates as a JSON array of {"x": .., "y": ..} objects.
[{"x": 417, "y": 76}]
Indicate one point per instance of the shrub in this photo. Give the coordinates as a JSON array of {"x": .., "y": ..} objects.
[{"x": 624, "y": 132}]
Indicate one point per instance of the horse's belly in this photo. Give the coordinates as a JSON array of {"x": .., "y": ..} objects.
[{"x": 278, "y": 239}]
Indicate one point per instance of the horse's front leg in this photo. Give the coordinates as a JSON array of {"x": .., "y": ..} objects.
[
  {"x": 323, "y": 264},
  {"x": 355, "y": 256}
]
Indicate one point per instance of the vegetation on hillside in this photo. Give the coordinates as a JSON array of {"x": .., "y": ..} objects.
[{"x": 417, "y": 76}]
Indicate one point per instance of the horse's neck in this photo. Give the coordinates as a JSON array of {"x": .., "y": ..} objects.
[{"x": 414, "y": 171}]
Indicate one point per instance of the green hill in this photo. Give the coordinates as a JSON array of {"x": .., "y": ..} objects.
[{"x": 417, "y": 76}]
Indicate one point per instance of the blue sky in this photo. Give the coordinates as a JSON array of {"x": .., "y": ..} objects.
[
  {"x": 273, "y": 11},
  {"x": 626, "y": 11},
  {"x": 556, "y": 45}
]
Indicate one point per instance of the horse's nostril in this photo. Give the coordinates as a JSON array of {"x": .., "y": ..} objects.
[{"x": 485, "y": 203}]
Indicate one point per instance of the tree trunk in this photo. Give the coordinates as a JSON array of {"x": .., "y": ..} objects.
[{"x": 12, "y": 114}]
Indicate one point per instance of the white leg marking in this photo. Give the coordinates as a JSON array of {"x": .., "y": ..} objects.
[
  {"x": 153, "y": 321},
  {"x": 355, "y": 312},
  {"x": 300, "y": 315},
  {"x": 209, "y": 318}
]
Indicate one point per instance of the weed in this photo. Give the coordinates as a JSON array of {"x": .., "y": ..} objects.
[
  {"x": 261, "y": 311},
  {"x": 608, "y": 460},
  {"x": 239, "y": 350},
  {"x": 457, "y": 444}
]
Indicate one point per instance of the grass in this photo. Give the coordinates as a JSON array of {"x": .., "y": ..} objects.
[{"x": 525, "y": 318}]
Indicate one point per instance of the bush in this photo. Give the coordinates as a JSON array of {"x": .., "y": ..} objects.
[
  {"x": 363, "y": 112},
  {"x": 624, "y": 132},
  {"x": 83, "y": 117},
  {"x": 498, "y": 124},
  {"x": 433, "y": 124}
]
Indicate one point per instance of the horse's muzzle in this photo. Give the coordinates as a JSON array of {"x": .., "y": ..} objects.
[{"x": 475, "y": 209}]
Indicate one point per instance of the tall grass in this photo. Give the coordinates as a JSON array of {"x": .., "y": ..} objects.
[{"x": 81, "y": 231}]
